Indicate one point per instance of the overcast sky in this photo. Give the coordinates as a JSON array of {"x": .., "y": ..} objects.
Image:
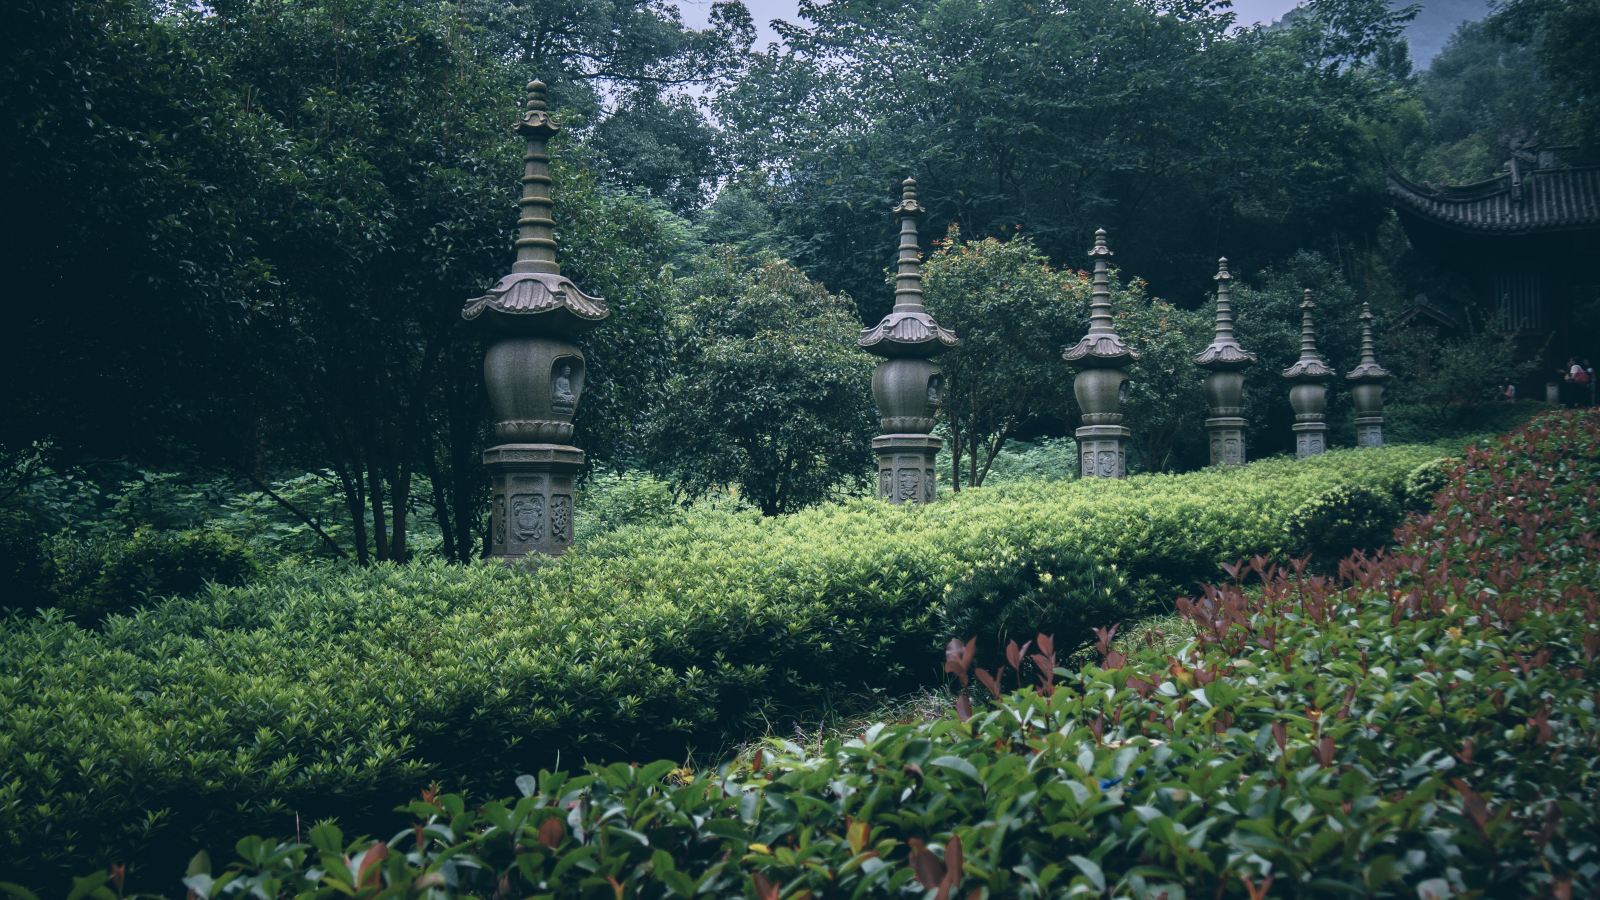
[{"x": 764, "y": 11}]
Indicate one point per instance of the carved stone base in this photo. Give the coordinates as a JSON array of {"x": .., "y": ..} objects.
[
  {"x": 531, "y": 499},
  {"x": 1369, "y": 431},
  {"x": 1227, "y": 440},
  {"x": 906, "y": 467},
  {"x": 1102, "y": 451},
  {"x": 1310, "y": 438}
]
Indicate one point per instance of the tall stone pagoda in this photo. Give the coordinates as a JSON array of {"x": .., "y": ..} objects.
[
  {"x": 1367, "y": 380},
  {"x": 1226, "y": 361},
  {"x": 1101, "y": 359},
  {"x": 906, "y": 384},
  {"x": 533, "y": 370},
  {"x": 1309, "y": 396}
]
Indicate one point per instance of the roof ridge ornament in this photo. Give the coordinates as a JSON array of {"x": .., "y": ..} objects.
[
  {"x": 1224, "y": 352},
  {"x": 908, "y": 330},
  {"x": 1310, "y": 366},
  {"x": 536, "y": 297}
]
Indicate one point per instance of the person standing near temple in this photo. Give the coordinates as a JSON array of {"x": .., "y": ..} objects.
[{"x": 1577, "y": 383}]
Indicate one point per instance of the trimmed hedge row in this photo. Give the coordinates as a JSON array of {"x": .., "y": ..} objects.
[
  {"x": 323, "y": 691},
  {"x": 1424, "y": 730}
]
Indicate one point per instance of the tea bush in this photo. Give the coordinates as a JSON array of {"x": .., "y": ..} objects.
[
  {"x": 1343, "y": 518},
  {"x": 1424, "y": 730},
  {"x": 323, "y": 689},
  {"x": 1424, "y": 482},
  {"x": 1019, "y": 593},
  {"x": 92, "y": 579}
]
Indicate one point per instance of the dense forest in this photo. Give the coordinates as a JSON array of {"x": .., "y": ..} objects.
[{"x": 242, "y": 230}]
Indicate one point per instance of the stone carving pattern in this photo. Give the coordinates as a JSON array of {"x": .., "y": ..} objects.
[
  {"x": 927, "y": 486},
  {"x": 527, "y": 517},
  {"x": 906, "y": 486},
  {"x": 1106, "y": 463},
  {"x": 885, "y": 484},
  {"x": 561, "y": 519},
  {"x": 500, "y": 521}
]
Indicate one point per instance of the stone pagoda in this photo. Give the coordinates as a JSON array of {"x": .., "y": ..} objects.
[
  {"x": 1367, "y": 380},
  {"x": 1102, "y": 359},
  {"x": 533, "y": 370},
  {"x": 1309, "y": 396},
  {"x": 1226, "y": 361},
  {"x": 906, "y": 384}
]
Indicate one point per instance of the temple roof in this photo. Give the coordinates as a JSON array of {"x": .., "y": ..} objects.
[{"x": 1555, "y": 199}]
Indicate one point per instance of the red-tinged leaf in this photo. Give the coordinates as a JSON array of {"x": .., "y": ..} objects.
[
  {"x": 1325, "y": 751},
  {"x": 551, "y": 831},
  {"x": 1280, "y": 734},
  {"x": 990, "y": 681},
  {"x": 757, "y": 760},
  {"x": 1465, "y": 754},
  {"x": 1257, "y": 891},
  {"x": 1232, "y": 569},
  {"x": 1472, "y": 804},
  {"x": 953, "y": 654},
  {"x": 617, "y": 890},
  {"x": 371, "y": 872},
  {"x": 1561, "y": 888},
  {"x": 1114, "y": 660},
  {"x": 1014, "y": 655},
  {"x": 953, "y": 863},
  {"x": 766, "y": 889},
  {"x": 964, "y": 707},
  {"x": 1046, "y": 643},
  {"x": 928, "y": 869},
  {"x": 969, "y": 652}
]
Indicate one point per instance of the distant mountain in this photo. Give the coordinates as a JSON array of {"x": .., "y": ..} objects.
[{"x": 1435, "y": 22}]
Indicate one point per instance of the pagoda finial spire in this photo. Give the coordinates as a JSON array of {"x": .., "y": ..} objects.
[
  {"x": 1102, "y": 359},
  {"x": 908, "y": 270},
  {"x": 536, "y": 239},
  {"x": 908, "y": 330},
  {"x": 1101, "y": 345},
  {"x": 1224, "y": 351},
  {"x": 1310, "y": 366}
]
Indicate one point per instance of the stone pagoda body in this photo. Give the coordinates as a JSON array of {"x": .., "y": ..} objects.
[
  {"x": 1309, "y": 395},
  {"x": 1367, "y": 380},
  {"x": 1101, "y": 359},
  {"x": 907, "y": 383},
  {"x": 1225, "y": 361},
  {"x": 532, "y": 369}
]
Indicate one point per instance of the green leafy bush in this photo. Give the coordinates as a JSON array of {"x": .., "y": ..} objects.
[
  {"x": 1424, "y": 730},
  {"x": 326, "y": 689},
  {"x": 93, "y": 580},
  {"x": 1424, "y": 482},
  {"x": 1021, "y": 592},
  {"x": 1343, "y": 518}
]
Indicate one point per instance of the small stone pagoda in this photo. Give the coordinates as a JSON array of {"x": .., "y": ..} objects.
[
  {"x": 1102, "y": 359},
  {"x": 1309, "y": 396},
  {"x": 533, "y": 370},
  {"x": 1367, "y": 380},
  {"x": 1226, "y": 361},
  {"x": 906, "y": 384}
]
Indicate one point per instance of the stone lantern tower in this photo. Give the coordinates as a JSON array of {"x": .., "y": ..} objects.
[
  {"x": 533, "y": 370},
  {"x": 1309, "y": 396},
  {"x": 906, "y": 384},
  {"x": 1367, "y": 380},
  {"x": 1102, "y": 360},
  {"x": 1226, "y": 361}
]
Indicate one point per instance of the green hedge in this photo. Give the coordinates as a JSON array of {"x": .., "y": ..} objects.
[
  {"x": 323, "y": 690},
  {"x": 1424, "y": 730}
]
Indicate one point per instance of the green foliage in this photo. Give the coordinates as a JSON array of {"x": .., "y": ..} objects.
[
  {"x": 1407, "y": 422},
  {"x": 1341, "y": 519},
  {"x": 94, "y": 579},
  {"x": 767, "y": 390},
  {"x": 1424, "y": 482},
  {"x": 1046, "y": 458},
  {"x": 323, "y": 689},
  {"x": 1014, "y": 314},
  {"x": 1024, "y": 591},
  {"x": 1012, "y": 117},
  {"x": 1424, "y": 730}
]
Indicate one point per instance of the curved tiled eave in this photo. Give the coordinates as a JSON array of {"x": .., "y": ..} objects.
[{"x": 1552, "y": 200}]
